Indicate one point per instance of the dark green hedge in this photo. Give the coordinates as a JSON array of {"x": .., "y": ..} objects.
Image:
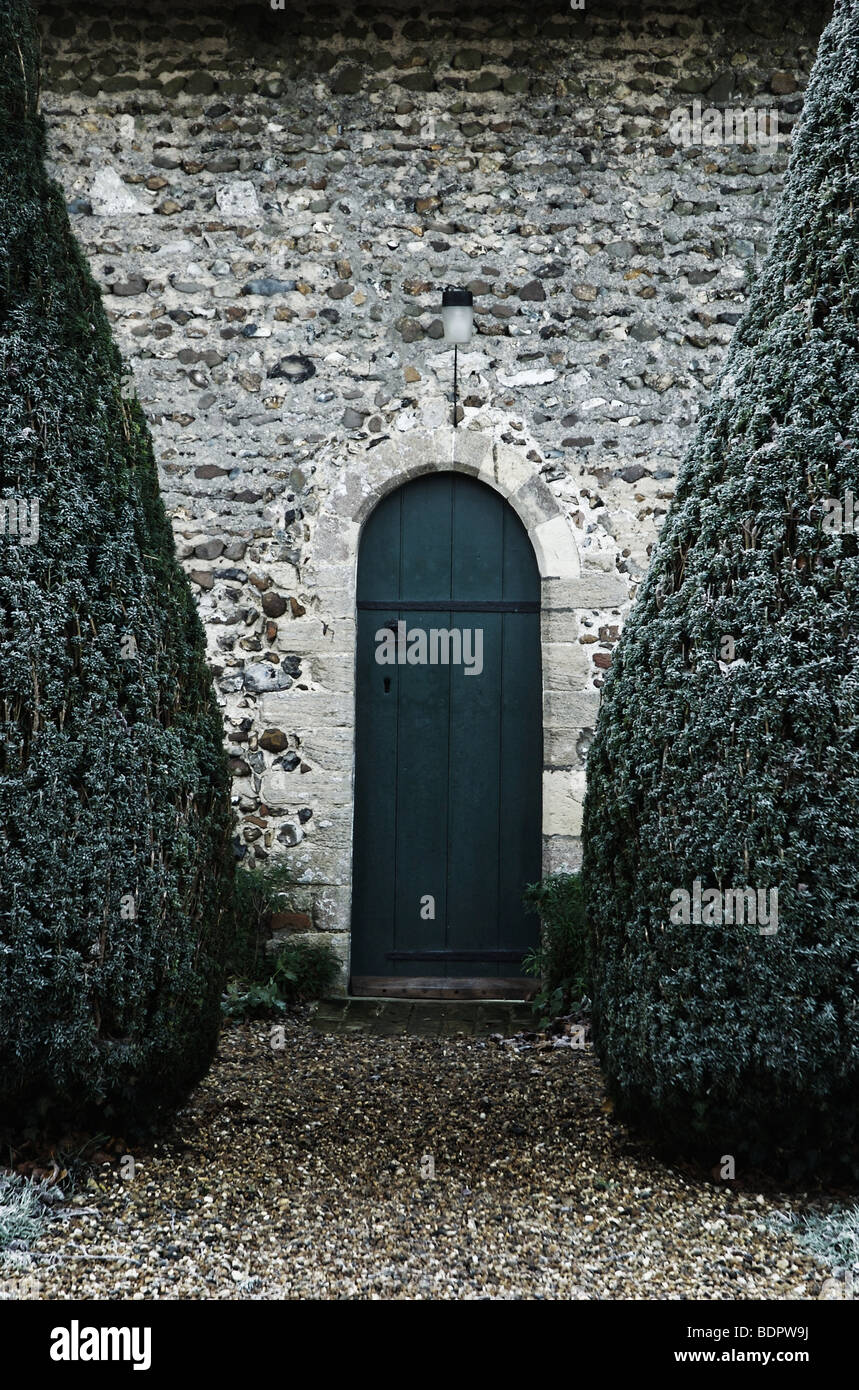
[
  {"x": 718, "y": 1038},
  {"x": 115, "y": 871}
]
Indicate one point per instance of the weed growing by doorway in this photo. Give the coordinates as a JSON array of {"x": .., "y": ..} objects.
[
  {"x": 259, "y": 895},
  {"x": 561, "y": 959},
  {"x": 307, "y": 968},
  {"x": 303, "y": 969}
]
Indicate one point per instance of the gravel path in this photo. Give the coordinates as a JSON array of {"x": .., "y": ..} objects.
[{"x": 306, "y": 1172}]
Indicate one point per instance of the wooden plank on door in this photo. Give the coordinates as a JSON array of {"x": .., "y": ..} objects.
[
  {"x": 520, "y": 779},
  {"x": 425, "y": 567},
  {"x": 420, "y": 863},
  {"x": 473, "y": 795}
]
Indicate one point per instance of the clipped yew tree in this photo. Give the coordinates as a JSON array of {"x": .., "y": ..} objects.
[
  {"x": 115, "y": 873},
  {"x": 727, "y": 747}
]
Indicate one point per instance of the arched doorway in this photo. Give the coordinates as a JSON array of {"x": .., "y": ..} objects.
[{"x": 449, "y": 758}]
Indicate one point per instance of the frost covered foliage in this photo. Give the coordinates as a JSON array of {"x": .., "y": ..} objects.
[
  {"x": 114, "y": 795},
  {"x": 23, "y": 1206},
  {"x": 833, "y": 1237},
  {"x": 745, "y": 771}
]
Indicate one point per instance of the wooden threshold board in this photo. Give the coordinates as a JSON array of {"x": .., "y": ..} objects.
[{"x": 442, "y": 987}]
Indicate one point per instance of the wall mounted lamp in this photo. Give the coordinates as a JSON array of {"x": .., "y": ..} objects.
[{"x": 457, "y": 317}]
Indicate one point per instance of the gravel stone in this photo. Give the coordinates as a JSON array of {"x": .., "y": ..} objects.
[{"x": 410, "y": 1167}]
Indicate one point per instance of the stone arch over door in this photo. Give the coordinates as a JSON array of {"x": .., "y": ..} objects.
[{"x": 569, "y": 706}]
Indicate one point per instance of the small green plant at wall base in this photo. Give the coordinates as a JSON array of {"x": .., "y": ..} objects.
[
  {"x": 308, "y": 968},
  {"x": 251, "y": 999},
  {"x": 561, "y": 959},
  {"x": 304, "y": 971},
  {"x": 258, "y": 895}
]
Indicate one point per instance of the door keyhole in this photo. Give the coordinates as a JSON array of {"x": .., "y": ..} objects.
[{"x": 387, "y": 685}]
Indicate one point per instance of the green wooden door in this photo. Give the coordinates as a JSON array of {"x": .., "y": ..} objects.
[{"x": 448, "y": 738}]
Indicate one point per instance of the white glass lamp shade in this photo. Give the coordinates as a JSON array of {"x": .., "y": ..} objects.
[{"x": 457, "y": 315}]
